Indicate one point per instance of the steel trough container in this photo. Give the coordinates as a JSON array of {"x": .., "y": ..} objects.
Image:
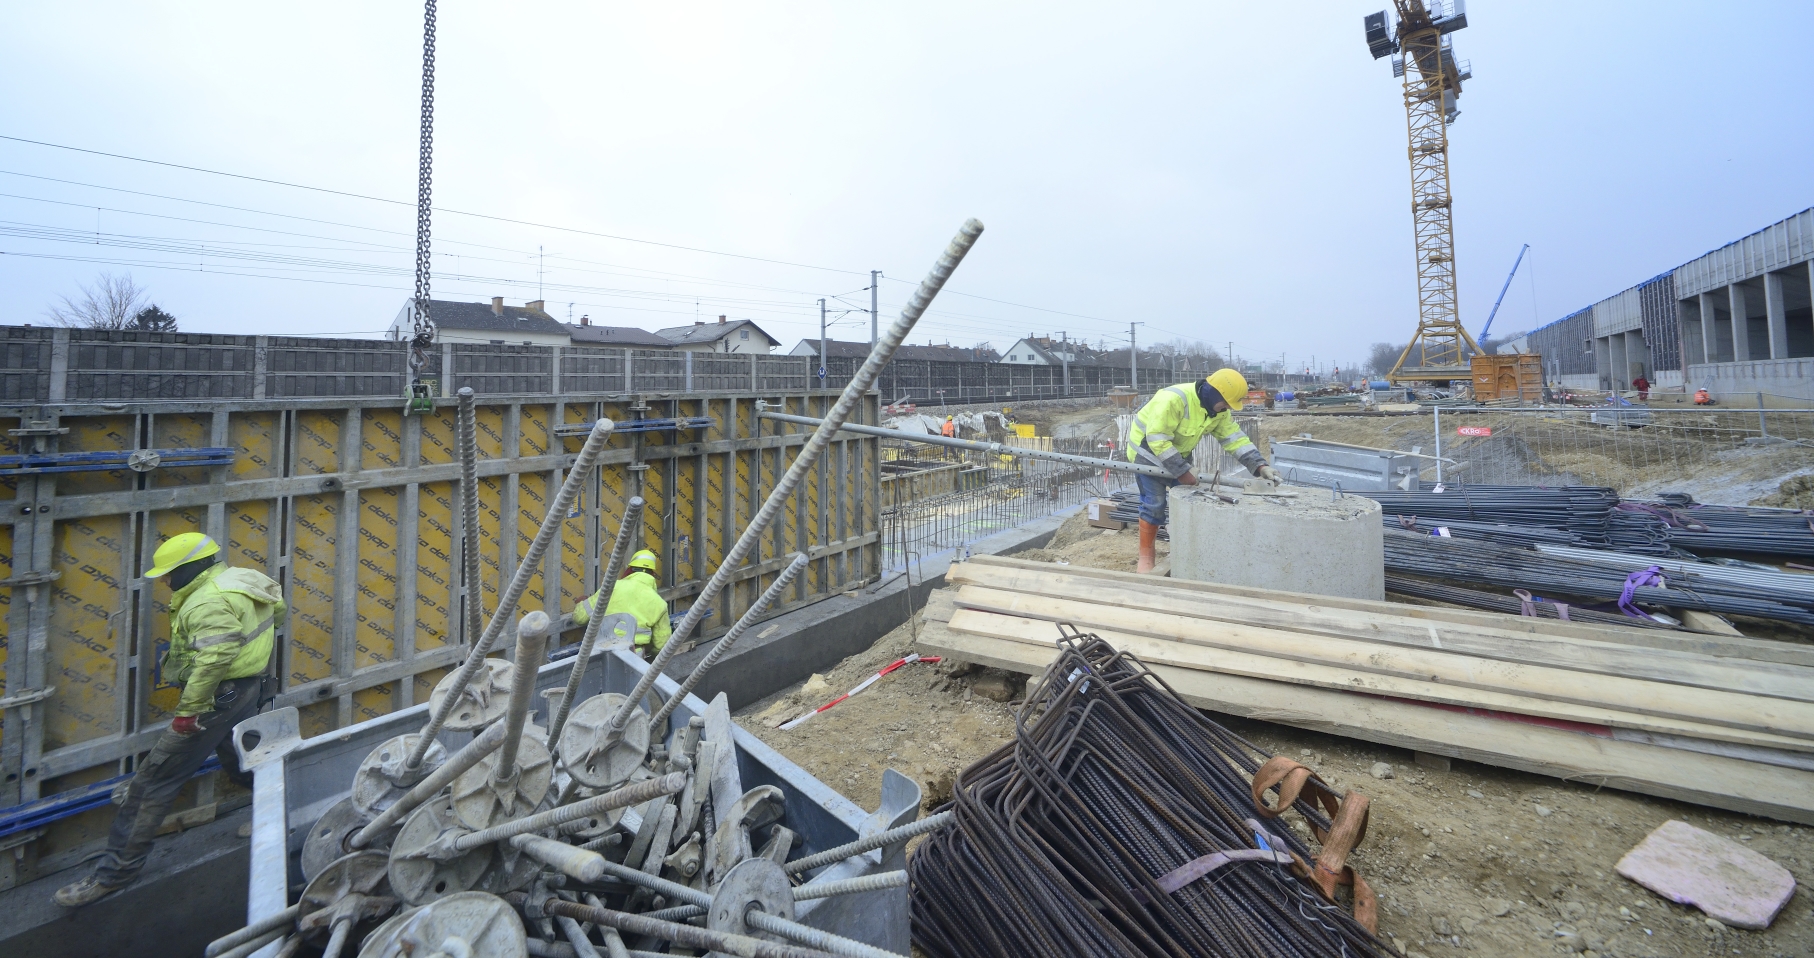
[{"x": 296, "y": 779}]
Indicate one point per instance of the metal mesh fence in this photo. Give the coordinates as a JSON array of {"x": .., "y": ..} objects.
[
  {"x": 937, "y": 500},
  {"x": 1725, "y": 456}
]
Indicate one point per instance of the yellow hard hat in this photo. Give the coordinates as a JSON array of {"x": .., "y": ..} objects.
[
  {"x": 645, "y": 560},
  {"x": 179, "y": 549},
  {"x": 1232, "y": 385}
]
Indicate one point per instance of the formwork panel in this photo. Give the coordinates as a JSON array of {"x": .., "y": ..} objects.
[
  {"x": 435, "y": 563},
  {"x": 441, "y": 436},
  {"x": 491, "y": 516},
  {"x": 375, "y": 606},
  {"x": 317, "y": 442},
  {"x": 282, "y": 506},
  {"x": 103, "y": 433},
  {"x": 84, "y": 659},
  {"x": 381, "y": 439},
  {"x": 254, "y": 437},
  {"x": 532, "y": 505},
  {"x": 311, "y": 627}
]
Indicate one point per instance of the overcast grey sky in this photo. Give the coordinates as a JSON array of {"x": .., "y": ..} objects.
[{"x": 1225, "y": 172}]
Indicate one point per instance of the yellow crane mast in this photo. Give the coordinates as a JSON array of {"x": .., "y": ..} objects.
[{"x": 1423, "y": 55}]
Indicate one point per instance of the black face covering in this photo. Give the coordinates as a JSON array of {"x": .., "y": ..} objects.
[
  {"x": 184, "y": 574},
  {"x": 1207, "y": 395}
]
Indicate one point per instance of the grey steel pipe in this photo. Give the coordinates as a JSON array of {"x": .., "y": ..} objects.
[
  {"x": 774, "y": 924},
  {"x": 582, "y": 946},
  {"x": 246, "y": 948},
  {"x": 850, "y": 886},
  {"x": 531, "y": 639},
  {"x": 809, "y": 454},
  {"x": 813, "y": 937},
  {"x": 727, "y": 642},
  {"x": 807, "y": 892},
  {"x": 455, "y": 766},
  {"x": 557, "y": 513},
  {"x": 620, "y": 553},
  {"x": 699, "y": 938},
  {"x": 261, "y": 927},
  {"x": 337, "y": 939},
  {"x": 570, "y": 861},
  {"x": 469, "y": 510},
  {"x": 637, "y": 794},
  {"x": 1121, "y": 465},
  {"x": 869, "y": 844}
]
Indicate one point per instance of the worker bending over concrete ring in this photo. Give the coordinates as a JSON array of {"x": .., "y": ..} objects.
[{"x": 1168, "y": 427}]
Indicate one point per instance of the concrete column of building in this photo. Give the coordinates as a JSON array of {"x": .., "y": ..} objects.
[
  {"x": 1741, "y": 324},
  {"x": 1775, "y": 316},
  {"x": 1603, "y": 360},
  {"x": 1710, "y": 336},
  {"x": 1636, "y": 356},
  {"x": 1621, "y": 368}
]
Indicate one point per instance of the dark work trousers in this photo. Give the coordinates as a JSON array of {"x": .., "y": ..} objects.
[{"x": 166, "y": 768}]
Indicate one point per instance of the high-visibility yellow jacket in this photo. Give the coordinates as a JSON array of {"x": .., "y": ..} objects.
[
  {"x": 1168, "y": 427},
  {"x": 637, "y": 595},
  {"x": 223, "y": 625}
]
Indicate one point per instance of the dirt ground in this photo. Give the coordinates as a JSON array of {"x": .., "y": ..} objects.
[{"x": 1475, "y": 860}]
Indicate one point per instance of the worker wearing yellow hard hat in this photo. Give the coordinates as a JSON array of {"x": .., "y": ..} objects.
[
  {"x": 636, "y": 593},
  {"x": 1168, "y": 427},
  {"x": 223, "y": 632}
]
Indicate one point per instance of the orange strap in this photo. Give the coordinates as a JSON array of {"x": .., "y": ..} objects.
[{"x": 1347, "y": 828}]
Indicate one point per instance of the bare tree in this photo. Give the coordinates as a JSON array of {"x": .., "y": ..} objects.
[
  {"x": 1381, "y": 357},
  {"x": 112, "y": 302}
]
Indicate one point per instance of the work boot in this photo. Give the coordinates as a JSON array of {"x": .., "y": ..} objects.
[
  {"x": 85, "y": 892},
  {"x": 1149, "y": 535}
]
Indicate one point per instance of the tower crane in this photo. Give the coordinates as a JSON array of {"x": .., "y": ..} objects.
[{"x": 1419, "y": 45}]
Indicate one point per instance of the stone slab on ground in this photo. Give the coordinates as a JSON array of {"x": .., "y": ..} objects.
[{"x": 1691, "y": 866}]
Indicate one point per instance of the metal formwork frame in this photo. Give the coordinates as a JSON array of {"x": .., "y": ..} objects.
[{"x": 351, "y": 506}]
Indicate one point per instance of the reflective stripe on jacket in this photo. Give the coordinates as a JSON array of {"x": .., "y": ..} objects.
[
  {"x": 636, "y": 594},
  {"x": 223, "y": 626},
  {"x": 1168, "y": 427}
]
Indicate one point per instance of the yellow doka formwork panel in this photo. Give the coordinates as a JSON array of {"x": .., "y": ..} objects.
[{"x": 355, "y": 509}]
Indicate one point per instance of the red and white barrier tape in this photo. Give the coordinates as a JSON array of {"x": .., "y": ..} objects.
[{"x": 866, "y": 683}]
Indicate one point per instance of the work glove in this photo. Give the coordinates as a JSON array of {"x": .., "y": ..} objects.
[
  {"x": 185, "y": 725},
  {"x": 1188, "y": 479},
  {"x": 1271, "y": 475}
]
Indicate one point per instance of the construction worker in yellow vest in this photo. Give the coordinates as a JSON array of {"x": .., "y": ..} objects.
[
  {"x": 1167, "y": 428},
  {"x": 636, "y": 594},
  {"x": 223, "y": 630}
]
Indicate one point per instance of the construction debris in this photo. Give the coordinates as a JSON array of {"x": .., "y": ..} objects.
[
  {"x": 1123, "y": 822},
  {"x": 1720, "y": 720},
  {"x": 1728, "y": 881}
]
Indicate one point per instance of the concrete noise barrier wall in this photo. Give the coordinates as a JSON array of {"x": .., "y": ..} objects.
[{"x": 353, "y": 507}]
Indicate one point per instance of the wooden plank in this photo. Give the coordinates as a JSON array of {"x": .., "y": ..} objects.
[
  {"x": 1714, "y": 781},
  {"x": 1334, "y": 676},
  {"x": 1757, "y": 650},
  {"x": 1607, "y": 658}
]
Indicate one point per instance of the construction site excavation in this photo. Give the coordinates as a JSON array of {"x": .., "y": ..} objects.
[{"x": 493, "y": 635}]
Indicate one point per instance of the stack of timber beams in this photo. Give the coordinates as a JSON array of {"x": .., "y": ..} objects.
[{"x": 1724, "y": 721}]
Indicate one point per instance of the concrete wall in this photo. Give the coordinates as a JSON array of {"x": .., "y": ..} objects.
[{"x": 1780, "y": 378}]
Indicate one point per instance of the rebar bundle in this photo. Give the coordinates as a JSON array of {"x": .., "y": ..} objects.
[
  {"x": 1511, "y": 567},
  {"x": 1726, "y": 530},
  {"x": 1121, "y": 821}
]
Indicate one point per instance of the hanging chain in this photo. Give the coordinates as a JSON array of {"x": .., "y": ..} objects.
[{"x": 424, "y": 329}]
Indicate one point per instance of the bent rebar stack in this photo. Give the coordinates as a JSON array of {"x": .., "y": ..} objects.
[{"x": 1122, "y": 822}]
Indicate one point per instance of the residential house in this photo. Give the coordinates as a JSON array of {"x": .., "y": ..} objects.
[
  {"x": 732, "y": 336},
  {"x": 496, "y": 323},
  {"x": 1045, "y": 351},
  {"x": 588, "y": 333}
]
